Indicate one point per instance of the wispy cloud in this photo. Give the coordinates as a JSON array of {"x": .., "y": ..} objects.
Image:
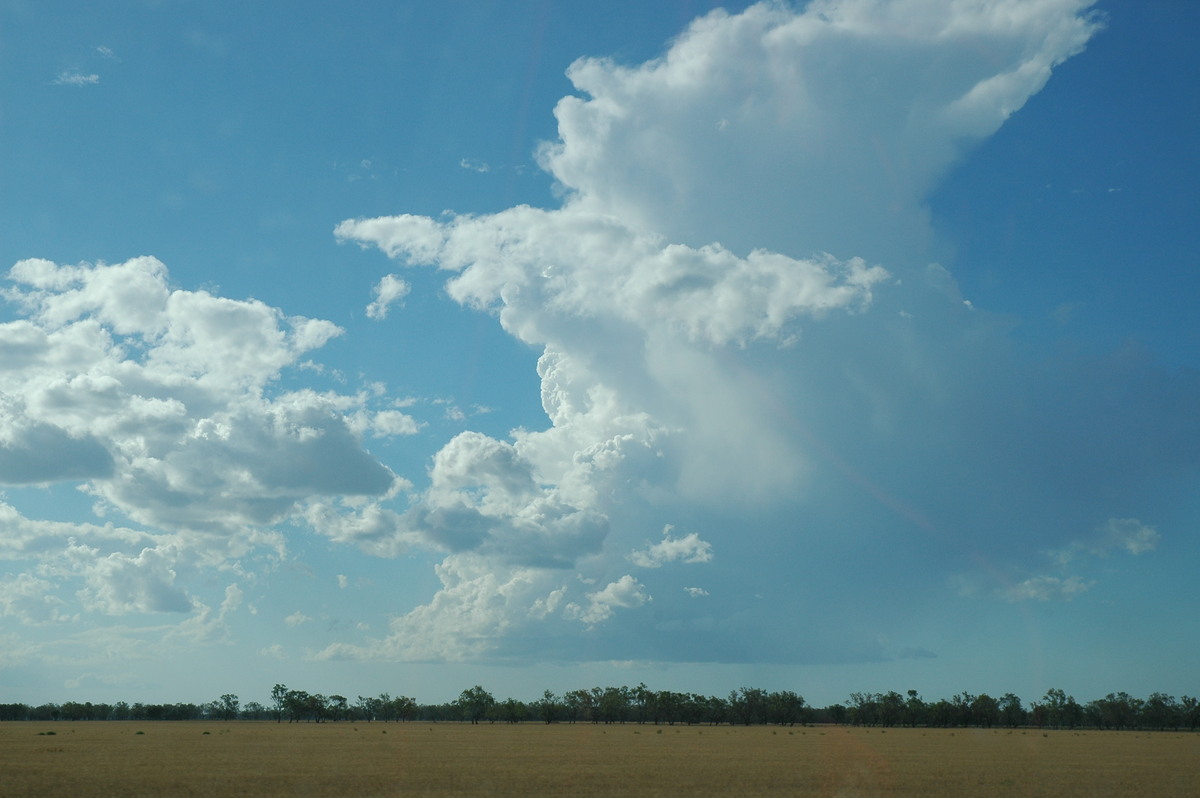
[{"x": 76, "y": 78}]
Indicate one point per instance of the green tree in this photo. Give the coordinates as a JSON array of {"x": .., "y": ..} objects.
[
  {"x": 1161, "y": 711},
  {"x": 279, "y": 701},
  {"x": 1012, "y": 714},
  {"x": 475, "y": 703},
  {"x": 227, "y": 706},
  {"x": 548, "y": 707},
  {"x": 914, "y": 709},
  {"x": 985, "y": 711}
]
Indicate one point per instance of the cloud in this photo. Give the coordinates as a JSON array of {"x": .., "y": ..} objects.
[
  {"x": 163, "y": 405},
  {"x": 119, "y": 584},
  {"x": 475, "y": 165},
  {"x": 1047, "y": 588},
  {"x": 296, "y": 619},
  {"x": 689, "y": 549},
  {"x": 389, "y": 291},
  {"x": 75, "y": 78},
  {"x": 744, "y": 334},
  {"x": 1116, "y": 534},
  {"x": 625, "y": 593},
  {"x": 31, "y": 600}
]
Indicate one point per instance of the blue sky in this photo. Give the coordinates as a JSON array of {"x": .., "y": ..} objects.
[{"x": 827, "y": 347}]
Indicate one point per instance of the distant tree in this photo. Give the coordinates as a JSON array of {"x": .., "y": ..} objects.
[
  {"x": 548, "y": 707},
  {"x": 914, "y": 709},
  {"x": 1161, "y": 711},
  {"x": 475, "y": 703},
  {"x": 613, "y": 705},
  {"x": 579, "y": 705},
  {"x": 226, "y": 707},
  {"x": 253, "y": 710},
  {"x": 785, "y": 708},
  {"x": 864, "y": 709},
  {"x": 510, "y": 710},
  {"x": 1189, "y": 712},
  {"x": 279, "y": 695},
  {"x": 1012, "y": 714},
  {"x": 985, "y": 711},
  {"x": 338, "y": 707},
  {"x": 942, "y": 713},
  {"x": 891, "y": 708},
  {"x": 643, "y": 700}
]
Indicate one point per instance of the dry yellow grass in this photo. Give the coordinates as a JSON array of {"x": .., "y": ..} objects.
[{"x": 421, "y": 759}]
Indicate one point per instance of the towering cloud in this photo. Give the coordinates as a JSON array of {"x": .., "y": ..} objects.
[{"x": 745, "y": 334}]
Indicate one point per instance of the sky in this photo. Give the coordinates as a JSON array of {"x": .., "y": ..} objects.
[{"x": 405, "y": 346}]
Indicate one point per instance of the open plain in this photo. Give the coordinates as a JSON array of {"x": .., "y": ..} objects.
[{"x": 421, "y": 759}]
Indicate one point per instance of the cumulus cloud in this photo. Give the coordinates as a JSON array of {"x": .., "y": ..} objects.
[
  {"x": 31, "y": 600},
  {"x": 120, "y": 584},
  {"x": 744, "y": 334},
  {"x": 389, "y": 291},
  {"x": 625, "y": 593},
  {"x": 163, "y": 405},
  {"x": 689, "y": 549}
]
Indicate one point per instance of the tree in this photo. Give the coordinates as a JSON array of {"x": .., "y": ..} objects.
[
  {"x": 227, "y": 706},
  {"x": 512, "y": 711},
  {"x": 914, "y": 709},
  {"x": 548, "y": 707},
  {"x": 253, "y": 710},
  {"x": 985, "y": 711},
  {"x": 891, "y": 708},
  {"x": 785, "y": 708},
  {"x": 579, "y": 705},
  {"x": 279, "y": 701},
  {"x": 1012, "y": 714},
  {"x": 1161, "y": 711},
  {"x": 475, "y": 703}
]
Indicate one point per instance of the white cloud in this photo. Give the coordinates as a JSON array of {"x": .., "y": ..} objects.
[
  {"x": 72, "y": 77},
  {"x": 689, "y": 549},
  {"x": 625, "y": 593},
  {"x": 31, "y": 600},
  {"x": 696, "y": 592},
  {"x": 741, "y": 329},
  {"x": 1047, "y": 588},
  {"x": 1129, "y": 534},
  {"x": 163, "y": 405},
  {"x": 389, "y": 291},
  {"x": 297, "y": 618},
  {"x": 120, "y": 584},
  {"x": 1116, "y": 534},
  {"x": 475, "y": 165}
]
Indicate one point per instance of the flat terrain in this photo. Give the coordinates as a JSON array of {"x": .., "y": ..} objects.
[{"x": 423, "y": 759}]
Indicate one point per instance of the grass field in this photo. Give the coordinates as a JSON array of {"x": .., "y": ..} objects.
[{"x": 248, "y": 758}]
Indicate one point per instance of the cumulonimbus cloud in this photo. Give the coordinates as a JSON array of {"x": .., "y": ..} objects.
[{"x": 743, "y": 333}]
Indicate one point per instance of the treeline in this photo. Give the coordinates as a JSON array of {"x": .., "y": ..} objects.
[{"x": 609, "y": 705}]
